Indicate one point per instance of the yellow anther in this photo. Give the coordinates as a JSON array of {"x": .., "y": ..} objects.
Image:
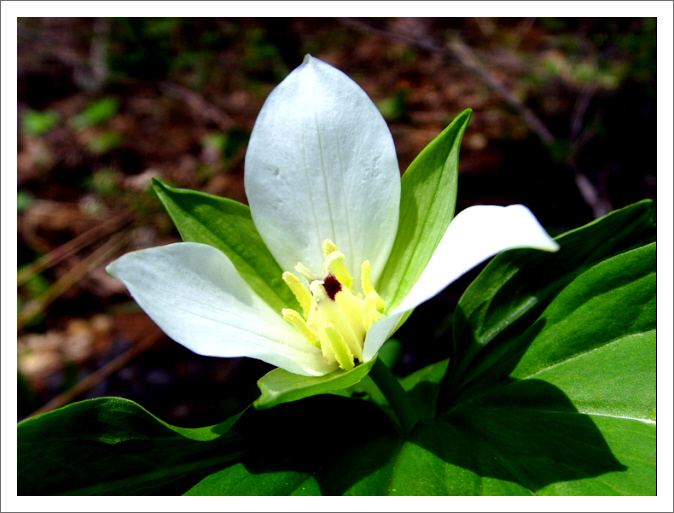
[
  {"x": 339, "y": 347},
  {"x": 371, "y": 310},
  {"x": 329, "y": 247},
  {"x": 306, "y": 272},
  {"x": 296, "y": 320},
  {"x": 300, "y": 291},
  {"x": 336, "y": 264},
  {"x": 366, "y": 281},
  {"x": 368, "y": 288}
]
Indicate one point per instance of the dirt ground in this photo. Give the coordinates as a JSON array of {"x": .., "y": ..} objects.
[{"x": 564, "y": 122}]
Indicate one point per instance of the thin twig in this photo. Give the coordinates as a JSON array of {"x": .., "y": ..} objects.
[
  {"x": 72, "y": 246},
  {"x": 470, "y": 61},
  {"x": 523, "y": 28},
  {"x": 594, "y": 197},
  {"x": 200, "y": 105},
  {"x": 101, "y": 374},
  {"x": 98, "y": 257},
  {"x": 98, "y": 54},
  {"x": 579, "y": 110}
]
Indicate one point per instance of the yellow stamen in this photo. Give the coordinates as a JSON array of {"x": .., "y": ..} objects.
[
  {"x": 300, "y": 291},
  {"x": 371, "y": 311},
  {"x": 366, "y": 281},
  {"x": 336, "y": 264},
  {"x": 306, "y": 272},
  {"x": 296, "y": 320},
  {"x": 336, "y": 319},
  {"x": 329, "y": 247},
  {"x": 368, "y": 288},
  {"x": 339, "y": 347}
]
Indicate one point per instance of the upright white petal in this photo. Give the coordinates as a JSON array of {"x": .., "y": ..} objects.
[
  {"x": 321, "y": 164},
  {"x": 194, "y": 293},
  {"x": 474, "y": 235}
]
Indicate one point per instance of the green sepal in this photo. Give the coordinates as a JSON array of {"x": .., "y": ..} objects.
[
  {"x": 280, "y": 386},
  {"x": 228, "y": 226},
  {"x": 113, "y": 446},
  {"x": 427, "y": 202}
]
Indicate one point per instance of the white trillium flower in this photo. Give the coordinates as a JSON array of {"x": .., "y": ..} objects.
[{"x": 323, "y": 184}]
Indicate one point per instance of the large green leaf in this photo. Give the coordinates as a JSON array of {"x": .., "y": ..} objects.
[
  {"x": 112, "y": 446},
  {"x": 228, "y": 226},
  {"x": 518, "y": 285},
  {"x": 427, "y": 202},
  {"x": 579, "y": 382}
]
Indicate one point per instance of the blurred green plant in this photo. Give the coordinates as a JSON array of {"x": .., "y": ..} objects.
[
  {"x": 96, "y": 113},
  {"x": 395, "y": 108},
  {"x": 105, "y": 142},
  {"x": 226, "y": 144},
  {"x": 24, "y": 200},
  {"x": 104, "y": 182},
  {"x": 38, "y": 123},
  {"x": 33, "y": 288},
  {"x": 261, "y": 56}
]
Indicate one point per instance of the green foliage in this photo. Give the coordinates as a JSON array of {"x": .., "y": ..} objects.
[
  {"x": 105, "y": 142},
  {"x": 38, "y": 123},
  {"x": 395, "y": 107},
  {"x": 280, "y": 386},
  {"x": 36, "y": 285},
  {"x": 96, "y": 113},
  {"x": 424, "y": 212},
  {"x": 228, "y": 226},
  {"x": 24, "y": 200},
  {"x": 226, "y": 144},
  {"x": 112, "y": 446},
  {"x": 582, "y": 372},
  {"x": 551, "y": 391},
  {"x": 104, "y": 181}
]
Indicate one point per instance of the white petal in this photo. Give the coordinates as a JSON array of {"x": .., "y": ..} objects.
[
  {"x": 194, "y": 293},
  {"x": 378, "y": 334},
  {"x": 321, "y": 164},
  {"x": 474, "y": 235}
]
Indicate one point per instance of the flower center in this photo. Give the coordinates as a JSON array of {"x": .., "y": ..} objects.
[{"x": 335, "y": 319}]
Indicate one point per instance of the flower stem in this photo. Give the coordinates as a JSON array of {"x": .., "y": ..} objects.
[{"x": 395, "y": 395}]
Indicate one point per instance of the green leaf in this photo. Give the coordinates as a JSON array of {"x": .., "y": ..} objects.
[
  {"x": 228, "y": 226},
  {"x": 105, "y": 142},
  {"x": 112, "y": 446},
  {"x": 38, "y": 123},
  {"x": 280, "y": 386},
  {"x": 96, "y": 113},
  {"x": 517, "y": 285},
  {"x": 427, "y": 202},
  {"x": 424, "y": 387},
  {"x": 584, "y": 373}
]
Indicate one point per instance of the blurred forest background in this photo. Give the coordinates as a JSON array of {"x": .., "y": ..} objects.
[{"x": 564, "y": 122}]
